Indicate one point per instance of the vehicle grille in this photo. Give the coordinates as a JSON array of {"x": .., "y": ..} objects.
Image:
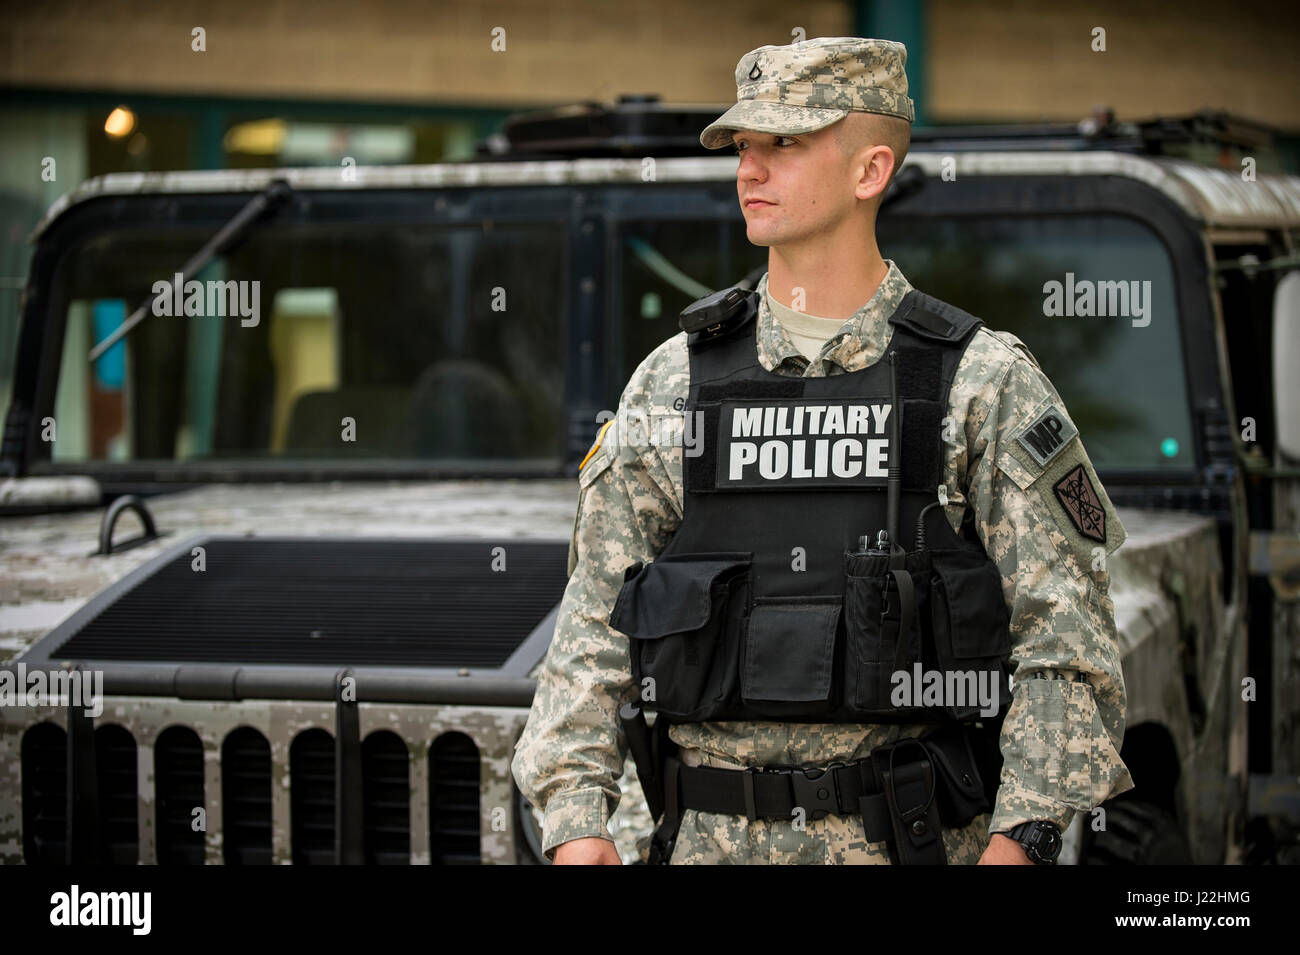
[
  {"x": 45, "y": 782},
  {"x": 246, "y": 772},
  {"x": 178, "y": 775},
  {"x": 246, "y": 798},
  {"x": 311, "y": 782},
  {"x": 115, "y": 765},
  {"x": 454, "y": 800},
  {"x": 386, "y": 797}
]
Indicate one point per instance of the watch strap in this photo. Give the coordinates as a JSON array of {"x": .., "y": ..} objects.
[{"x": 1040, "y": 840}]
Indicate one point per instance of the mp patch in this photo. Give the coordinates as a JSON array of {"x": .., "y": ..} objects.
[
  {"x": 1047, "y": 435},
  {"x": 1081, "y": 503}
]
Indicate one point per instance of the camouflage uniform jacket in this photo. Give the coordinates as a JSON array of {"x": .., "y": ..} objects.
[{"x": 1061, "y": 736}]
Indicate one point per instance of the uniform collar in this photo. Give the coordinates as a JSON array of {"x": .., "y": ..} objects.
[{"x": 859, "y": 343}]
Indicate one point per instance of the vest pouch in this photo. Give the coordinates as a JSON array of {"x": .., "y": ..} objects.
[
  {"x": 789, "y": 655},
  {"x": 683, "y": 615},
  {"x": 870, "y": 648},
  {"x": 971, "y": 627}
]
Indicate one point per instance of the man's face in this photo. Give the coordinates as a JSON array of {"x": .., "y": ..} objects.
[{"x": 810, "y": 187}]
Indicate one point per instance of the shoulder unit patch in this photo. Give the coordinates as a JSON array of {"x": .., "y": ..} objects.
[{"x": 1082, "y": 505}]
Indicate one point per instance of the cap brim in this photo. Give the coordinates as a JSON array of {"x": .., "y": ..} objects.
[{"x": 779, "y": 119}]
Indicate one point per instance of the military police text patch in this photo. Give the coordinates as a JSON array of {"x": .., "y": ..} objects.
[
  {"x": 1081, "y": 503},
  {"x": 1048, "y": 434},
  {"x": 790, "y": 443}
]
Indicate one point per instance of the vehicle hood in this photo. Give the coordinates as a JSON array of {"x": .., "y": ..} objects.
[
  {"x": 47, "y": 571},
  {"x": 1162, "y": 548}
]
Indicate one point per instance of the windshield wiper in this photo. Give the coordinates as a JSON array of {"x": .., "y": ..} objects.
[
  {"x": 230, "y": 233},
  {"x": 658, "y": 263}
]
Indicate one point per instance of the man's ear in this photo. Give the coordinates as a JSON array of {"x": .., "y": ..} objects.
[{"x": 877, "y": 164}]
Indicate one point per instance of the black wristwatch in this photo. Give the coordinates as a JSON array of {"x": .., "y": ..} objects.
[{"x": 1040, "y": 840}]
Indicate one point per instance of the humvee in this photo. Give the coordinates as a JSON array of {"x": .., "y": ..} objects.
[{"x": 346, "y": 406}]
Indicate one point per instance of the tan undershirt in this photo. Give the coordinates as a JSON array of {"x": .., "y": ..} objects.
[{"x": 808, "y": 332}]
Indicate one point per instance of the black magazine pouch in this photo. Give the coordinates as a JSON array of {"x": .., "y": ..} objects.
[
  {"x": 971, "y": 624},
  {"x": 683, "y": 615}
]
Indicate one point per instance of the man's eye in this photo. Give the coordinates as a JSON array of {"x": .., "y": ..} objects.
[{"x": 737, "y": 148}]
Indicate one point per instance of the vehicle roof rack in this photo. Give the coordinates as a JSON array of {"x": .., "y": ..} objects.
[
  {"x": 1160, "y": 136},
  {"x": 636, "y": 125},
  {"x": 640, "y": 125}
]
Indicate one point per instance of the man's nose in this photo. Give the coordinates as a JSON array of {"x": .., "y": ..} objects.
[{"x": 750, "y": 166}]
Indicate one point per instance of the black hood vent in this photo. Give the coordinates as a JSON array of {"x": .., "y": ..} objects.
[{"x": 326, "y": 601}]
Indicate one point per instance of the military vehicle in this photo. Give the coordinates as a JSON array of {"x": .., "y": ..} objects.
[{"x": 349, "y": 404}]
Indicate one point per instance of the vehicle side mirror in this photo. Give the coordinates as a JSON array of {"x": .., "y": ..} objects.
[{"x": 1286, "y": 366}]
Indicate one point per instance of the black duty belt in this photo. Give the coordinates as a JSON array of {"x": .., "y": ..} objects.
[
  {"x": 905, "y": 792},
  {"x": 775, "y": 792}
]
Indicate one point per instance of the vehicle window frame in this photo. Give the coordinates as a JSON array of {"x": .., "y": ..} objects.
[{"x": 592, "y": 214}]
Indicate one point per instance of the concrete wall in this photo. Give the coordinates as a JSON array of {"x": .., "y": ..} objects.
[
  {"x": 392, "y": 50},
  {"x": 1025, "y": 60},
  {"x": 984, "y": 59}
]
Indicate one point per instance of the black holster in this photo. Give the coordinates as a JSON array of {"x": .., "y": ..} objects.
[
  {"x": 908, "y": 791},
  {"x": 656, "y": 767},
  {"x": 926, "y": 783}
]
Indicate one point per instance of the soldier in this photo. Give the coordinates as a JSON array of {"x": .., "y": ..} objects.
[{"x": 779, "y": 594}]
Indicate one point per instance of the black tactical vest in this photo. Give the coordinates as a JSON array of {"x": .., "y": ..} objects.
[{"x": 766, "y": 605}]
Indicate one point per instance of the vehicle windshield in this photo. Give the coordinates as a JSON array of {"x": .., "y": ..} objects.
[
  {"x": 1121, "y": 376},
  {"x": 356, "y": 342}
]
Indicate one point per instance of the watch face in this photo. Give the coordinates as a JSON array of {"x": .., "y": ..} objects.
[{"x": 1046, "y": 841}]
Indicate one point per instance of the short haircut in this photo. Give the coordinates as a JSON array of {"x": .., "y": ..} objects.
[{"x": 859, "y": 130}]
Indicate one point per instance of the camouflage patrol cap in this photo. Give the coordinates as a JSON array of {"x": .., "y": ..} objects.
[{"x": 805, "y": 86}]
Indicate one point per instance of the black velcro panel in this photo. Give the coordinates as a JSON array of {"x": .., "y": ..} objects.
[
  {"x": 931, "y": 322},
  {"x": 775, "y": 388},
  {"x": 701, "y": 470},
  {"x": 922, "y": 423},
  {"x": 920, "y": 372}
]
